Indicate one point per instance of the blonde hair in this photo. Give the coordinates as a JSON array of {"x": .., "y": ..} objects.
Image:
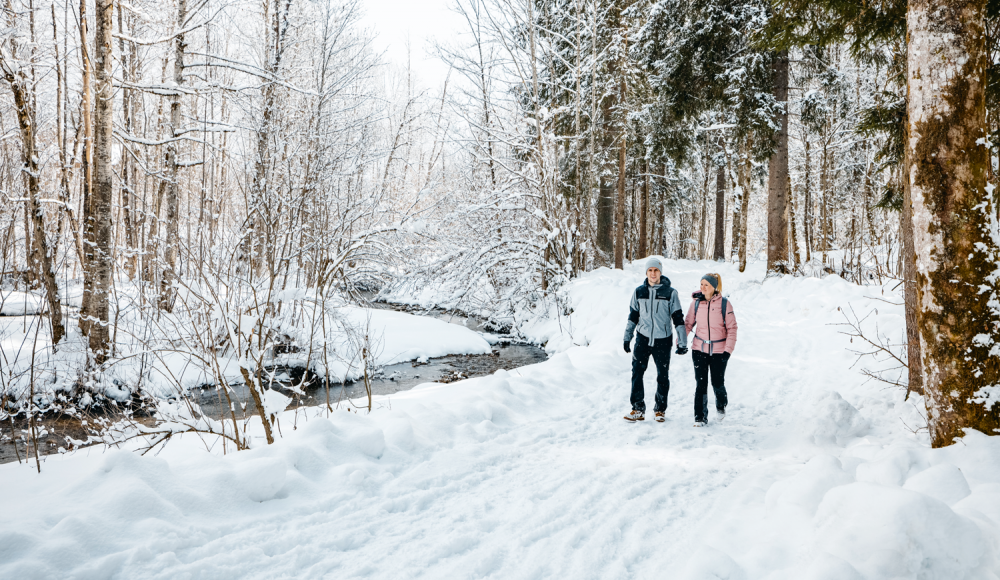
[{"x": 718, "y": 289}]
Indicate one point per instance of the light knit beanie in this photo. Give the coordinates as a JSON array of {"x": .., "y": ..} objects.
[{"x": 654, "y": 263}]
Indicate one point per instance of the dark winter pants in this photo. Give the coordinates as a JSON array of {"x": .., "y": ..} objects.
[
  {"x": 640, "y": 361},
  {"x": 703, "y": 363}
]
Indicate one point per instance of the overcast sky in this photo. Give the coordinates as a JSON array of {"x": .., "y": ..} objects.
[{"x": 419, "y": 20}]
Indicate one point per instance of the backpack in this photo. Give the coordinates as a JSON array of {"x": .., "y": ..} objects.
[{"x": 725, "y": 306}]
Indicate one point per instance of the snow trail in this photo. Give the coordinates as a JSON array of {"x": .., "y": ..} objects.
[{"x": 533, "y": 473}]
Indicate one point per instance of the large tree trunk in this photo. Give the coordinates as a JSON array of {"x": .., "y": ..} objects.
[
  {"x": 99, "y": 258},
  {"x": 777, "y": 174},
  {"x": 719, "y": 253},
  {"x": 946, "y": 70}
]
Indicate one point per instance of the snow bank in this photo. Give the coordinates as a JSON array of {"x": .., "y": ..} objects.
[
  {"x": 165, "y": 365},
  {"x": 814, "y": 474}
]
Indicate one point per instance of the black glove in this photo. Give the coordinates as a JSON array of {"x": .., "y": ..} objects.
[
  {"x": 726, "y": 355},
  {"x": 681, "y": 350},
  {"x": 627, "y": 347}
]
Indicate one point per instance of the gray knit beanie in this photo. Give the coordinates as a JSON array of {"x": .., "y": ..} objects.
[{"x": 654, "y": 263}]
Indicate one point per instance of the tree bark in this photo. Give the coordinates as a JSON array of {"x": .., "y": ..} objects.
[
  {"x": 914, "y": 364},
  {"x": 793, "y": 238},
  {"x": 623, "y": 141},
  {"x": 40, "y": 254},
  {"x": 99, "y": 258},
  {"x": 777, "y": 174},
  {"x": 87, "y": 163},
  {"x": 744, "y": 176},
  {"x": 955, "y": 257},
  {"x": 644, "y": 212},
  {"x": 620, "y": 205},
  {"x": 172, "y": 237},
  {"x": 738, "y": 196},
  {"x": 807, "y": 206},
  {"x": 719, "y": 254},
  {"x": 824, "y": 186}
]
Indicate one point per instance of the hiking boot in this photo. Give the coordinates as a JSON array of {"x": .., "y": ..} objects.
[
  {"x": 660, "y": 416},
  {"x": 635, "y": 415},
  {"x": 720, "y": 414},
  {"x": 701, "y": 423}
]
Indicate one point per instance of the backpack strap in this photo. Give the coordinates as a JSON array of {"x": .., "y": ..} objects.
[{"x": 725, "y": 305}]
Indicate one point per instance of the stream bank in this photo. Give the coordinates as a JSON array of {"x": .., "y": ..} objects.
[{"x": 391, "y": 379}]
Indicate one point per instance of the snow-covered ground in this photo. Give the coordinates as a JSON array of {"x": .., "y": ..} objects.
[{"x": 533, "y": 473}]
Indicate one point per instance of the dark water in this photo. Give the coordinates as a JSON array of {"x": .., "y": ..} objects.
[
  {"x": 392, "y": 379},
  {"x": 314, "y": 391}
]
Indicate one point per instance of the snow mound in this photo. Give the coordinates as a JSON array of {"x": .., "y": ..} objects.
[{"x": 832, "y": 419}]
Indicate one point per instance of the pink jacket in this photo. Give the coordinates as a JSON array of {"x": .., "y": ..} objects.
[{"x": 710, "y": 328}]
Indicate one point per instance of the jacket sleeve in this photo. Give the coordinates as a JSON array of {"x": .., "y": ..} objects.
[
  {"x": 730, "y": 328},
  {"x": 677, "y": 316},
  {"x": 633, "y": 318},
  {"x": 689, "y": 319}
]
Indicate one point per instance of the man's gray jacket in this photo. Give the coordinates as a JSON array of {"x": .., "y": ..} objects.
[{"x": 652, "y": 310}]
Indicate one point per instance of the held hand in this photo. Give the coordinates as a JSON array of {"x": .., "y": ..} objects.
[
  {"x": 726, "y": 355},
  {"x": 627, "y": 347},
  {"x": 681, "y": 350}
]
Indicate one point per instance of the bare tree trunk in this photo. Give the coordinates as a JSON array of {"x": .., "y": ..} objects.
[
  {"x": 644, "y": 212},
  {"x": 86, "y": 316},
  {"x": 704, "y": 209},
  {"x": 946, "y": 72},
  {"x": 99, "y": 259},
  {"x": 807, "y": 210},
  {"x": 744, "y": 176},
  {"x": 913, "y": 362},
  {"x": 777, "y": 174},
  {"x": 793, "y": 238},
  {"x": 623, "y": 141},
  {"x": 661, "y": 238},
  {"x": 620, "y": 209},
  {"x": 40, "y": 254},
  {"x": 824, "y": 186},
  {"x": 719, "y": 253},
  {"x": 739, "y": 195},
  {"x": 172, "y": 238}
]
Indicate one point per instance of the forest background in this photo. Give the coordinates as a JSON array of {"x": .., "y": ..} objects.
[{"x": 201, "y": 177}]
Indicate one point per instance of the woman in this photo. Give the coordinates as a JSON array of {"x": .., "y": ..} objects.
[{"x": 713, "y": 342}]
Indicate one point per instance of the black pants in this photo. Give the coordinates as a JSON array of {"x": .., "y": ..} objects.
[
  {"x": 640, "y": 362},
  {"x": 703, "y": 363}
]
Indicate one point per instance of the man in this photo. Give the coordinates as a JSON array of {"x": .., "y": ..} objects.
[{"x": 654, "y": 306}]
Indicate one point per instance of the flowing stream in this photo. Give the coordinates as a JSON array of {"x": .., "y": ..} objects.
[{"x": 393, "y": 379}]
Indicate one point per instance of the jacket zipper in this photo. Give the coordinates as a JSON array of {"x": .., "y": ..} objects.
[{"x": 708, "y": 323}]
